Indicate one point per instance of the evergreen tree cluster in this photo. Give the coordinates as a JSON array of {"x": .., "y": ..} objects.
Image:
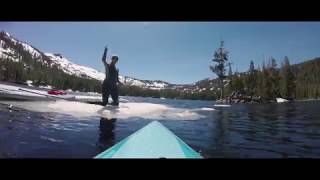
[
  {"x": 299, "y": 81},
  {"x": 165, "y": 93},
  {"x": 307, "y": 76},
  {"x": 40, "y": 74}
]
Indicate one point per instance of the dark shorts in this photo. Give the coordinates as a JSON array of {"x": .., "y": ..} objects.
[{"x": 110, "y": 88}]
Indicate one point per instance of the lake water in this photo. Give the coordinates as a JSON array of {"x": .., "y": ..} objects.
[{"x": 240, "y": 131}]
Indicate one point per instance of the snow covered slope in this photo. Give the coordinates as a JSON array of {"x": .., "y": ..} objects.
[
  {"x": 75, "y": 69},
  {"x": 82, "y": 71},
  {"x": 67, "y": 65},
  {"x": 8, "y": 52}
]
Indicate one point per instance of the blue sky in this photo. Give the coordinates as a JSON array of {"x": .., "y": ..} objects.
[{"x": 177, "y": 52}]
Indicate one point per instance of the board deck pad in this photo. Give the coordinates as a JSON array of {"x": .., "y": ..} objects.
[{"x": 151, "y": 141}]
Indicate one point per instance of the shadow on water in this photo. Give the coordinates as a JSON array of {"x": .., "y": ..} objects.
[
  {"x": 106, "y": 133},
  {"x": 219, "y": 134}
]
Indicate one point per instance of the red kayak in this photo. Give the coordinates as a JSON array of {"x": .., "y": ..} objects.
[{"x": 57, "y": 92}]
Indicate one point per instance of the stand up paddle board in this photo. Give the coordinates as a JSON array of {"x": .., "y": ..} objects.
[{"x": 152, "y": 141}]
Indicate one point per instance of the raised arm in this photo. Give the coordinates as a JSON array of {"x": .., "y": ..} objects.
[{"x": 104, "y": 57}]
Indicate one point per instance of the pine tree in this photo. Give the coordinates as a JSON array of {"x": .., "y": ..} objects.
[
  {"x": 251, "y": 79},
  {"x": 220, "y": 57},
  {"x": 273, "y": 79},
  {"x": 287, "y": 84},
  {"x": 229, "y": 87},
  {"x": 259, "y": 82},
  {"x": 266, "y": 85},
  {"x": 237, "y": 82},
  {"x": 230, "y": 70}
]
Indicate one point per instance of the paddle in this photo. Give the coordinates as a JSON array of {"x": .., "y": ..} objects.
[{"x": 48, "y": 95}]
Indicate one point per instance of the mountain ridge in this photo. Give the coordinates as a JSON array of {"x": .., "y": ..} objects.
[
  {"x": 13, "y": 49},
  {"x": 68, "y": 66}
]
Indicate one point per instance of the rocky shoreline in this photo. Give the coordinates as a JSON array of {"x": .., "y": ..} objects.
[{"x": 241, "y": 97}]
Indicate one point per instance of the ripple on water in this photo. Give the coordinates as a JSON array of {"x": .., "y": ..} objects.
[{"x": 239, "y": 131}]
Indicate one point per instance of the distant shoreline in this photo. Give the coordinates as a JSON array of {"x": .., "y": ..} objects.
[{"x": 308, "y": 100}]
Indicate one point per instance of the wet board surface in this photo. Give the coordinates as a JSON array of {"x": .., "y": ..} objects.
[{"x": 101, "y": 104}]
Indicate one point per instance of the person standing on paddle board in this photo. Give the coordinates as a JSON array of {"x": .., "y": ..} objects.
[{"x": 110, "y": 83}]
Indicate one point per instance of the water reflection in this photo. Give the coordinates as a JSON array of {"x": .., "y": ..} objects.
[
  {"x": 219, "y": 133},
  {"x": 106, "y": 134},
  {"x": 290, "y": 110}
]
